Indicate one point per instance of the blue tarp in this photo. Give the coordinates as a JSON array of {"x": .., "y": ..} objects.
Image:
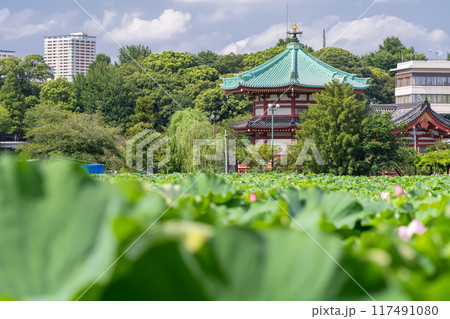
[{"x": 94, "y": 168}]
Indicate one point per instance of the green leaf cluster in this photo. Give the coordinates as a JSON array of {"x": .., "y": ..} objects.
[{"x": 64, "y": 235}]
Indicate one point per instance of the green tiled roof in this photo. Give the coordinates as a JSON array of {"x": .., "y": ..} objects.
[{"x": 293, "y": 66}]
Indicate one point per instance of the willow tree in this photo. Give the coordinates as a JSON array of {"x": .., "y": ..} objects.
[{"x": 185, "y": 127}]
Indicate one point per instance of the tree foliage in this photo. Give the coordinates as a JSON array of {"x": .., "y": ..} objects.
[
  {"x": 29, "y": 72},
  {"x": 5, "y": 119},
  {"x": 343, "y": 60},
  {"x": 168, "y": 62},
  {"x": 59, "y": 92},
  {"x": 103, "y": 88},
  {"x": 381, "y": 147},
  {"x": 391, "y": 52},
  {"x": 382, "y": 87},
  {"x": 54, "y": 132},
  {"x": 14, "y": 101},
  {"x": 131, "y": 53},
  {"x": 214, "y": 101},
  {"x": 255, "y": 59},
  {"x": 185, "y": 127},
  {"x": 335, "y": 126}
]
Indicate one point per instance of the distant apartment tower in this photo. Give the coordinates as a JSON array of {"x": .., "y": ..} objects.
[
  {"x": 69, "y": 55},
  {"x": 416, "y": 81},
  {"x": 6, "y": 54}
]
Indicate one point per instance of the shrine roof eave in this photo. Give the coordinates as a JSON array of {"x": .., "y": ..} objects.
[
  {"x": 433, "y": 121},
  {"x": 282, "y": 89}
]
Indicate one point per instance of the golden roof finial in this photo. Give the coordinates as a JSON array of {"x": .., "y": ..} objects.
[{"x": 295, "y": 31}]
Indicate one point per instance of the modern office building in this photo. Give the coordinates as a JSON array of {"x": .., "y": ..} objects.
[
  {"x": 6, "y": 54},
  {"x": 69, "y": 55},
  {"x": 417, "y": 81}
]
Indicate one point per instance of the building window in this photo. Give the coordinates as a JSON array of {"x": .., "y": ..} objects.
[
  {"x": 441, "y": 98},
  {"x": 300, "y": 110},
  {"x": 441, "y": 81},
  {"x": 403, "y": 99},
  {"x": 431, "y": 81},
  {"x": 259, "y": 112},
  {"x": 404, "y": 82},
  {"x": 283, "y": 111},
  {"x": 422, "y": 149},
  {"x": 418, "y": 97}
]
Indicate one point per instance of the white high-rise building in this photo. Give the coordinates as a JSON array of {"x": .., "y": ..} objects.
[
  {"x": 6, "y": 54},
  {"x": 69, "y": 55}
]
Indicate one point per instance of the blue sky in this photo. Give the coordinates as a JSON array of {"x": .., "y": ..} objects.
[{"x": 225, "y": 26}]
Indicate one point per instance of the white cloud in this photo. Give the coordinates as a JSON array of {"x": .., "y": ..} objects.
[
  {"x": 366, "y": 34},
  {"x": 261, "y": 41},
  {"x": 134, "y": 28},
  {"x": 91, "y": 27},
  {"x": 224, "y": 13},
  {"x": 16, "y": 25},
  {"x": 360, "y": 36}
]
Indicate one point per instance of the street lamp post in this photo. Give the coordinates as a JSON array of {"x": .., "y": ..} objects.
[
  {"x": 214, "y": 118},
  {"x": 272, "y": 108}
]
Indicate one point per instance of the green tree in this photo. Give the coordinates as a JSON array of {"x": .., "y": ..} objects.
[
  {"x": 133, "y": 52},
  {"x": 255, "y": 59},
  {"x": 59, "y": 92},
  {"x": 30, "y": 72},
  {"x": 391, "y": 52},
  {"x": 31, "y": 101},
  {"x": 35, "y": 68},
  {"x": 208, "y": 58},
  {"x": 5, "y": 119},
  {"x": 11, "y": 64},
  {"x": 198, "y": 79},
  {"x": 168, "y": 62},
  {"x": 437, "y": 161},
  {"x": 335, "y": 125},
  {"x": 144, "y": 117},
  {"x": 231, "y": 63},
  {"x": 54, "y": 132},
  {"x": 14, "y": 101},
  {"x": 343, "y": 60},
  {"x": 216, "y": 101},
  {"x": 382, "y": 148},
  {"x": 382, "y": 87},
  {"x": 104, "y": 88}
]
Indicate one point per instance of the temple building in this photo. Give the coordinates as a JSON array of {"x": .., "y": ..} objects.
[
  {"x": 425, "y": 125},
  {"x": 290, "y": 79}
]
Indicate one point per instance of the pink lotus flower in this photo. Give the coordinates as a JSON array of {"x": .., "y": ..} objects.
[
  {"x": 399, "y": 190},
  {"x": 253, "y": 197},
  {"x": 403, "y": 233},
  {"x": 414, "y": 227},
  {"x": 385, "y": 195}
]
